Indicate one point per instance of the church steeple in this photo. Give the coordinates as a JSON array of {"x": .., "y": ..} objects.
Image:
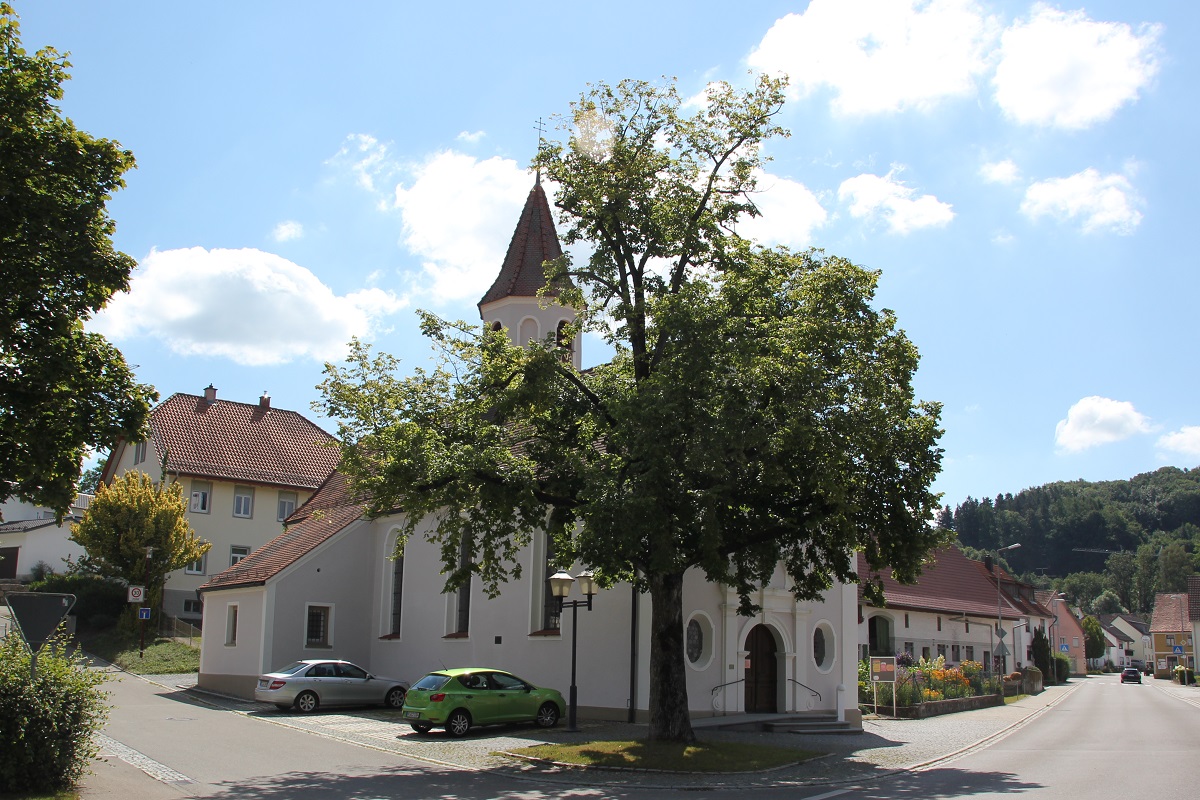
[{"x": 512, "y": 302}]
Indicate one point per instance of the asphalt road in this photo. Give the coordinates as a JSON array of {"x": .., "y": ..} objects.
[{"x": 1101, "y": 739}]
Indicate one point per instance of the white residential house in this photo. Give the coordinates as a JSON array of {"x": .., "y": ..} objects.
[
  {"x": 328, "y": 586},
  {"x": 29, "y": 536},
  {"x": 244, "y": 468}
]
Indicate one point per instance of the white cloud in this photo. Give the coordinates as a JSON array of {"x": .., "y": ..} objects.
[
  {"x": 880, "y": 55},
  {"x": 1098, "y": 420},
  {"x": 252, "y": 307},
  {"x": 1100, "y": 203},
  {"x": 789, "y": 213},
  {"x": 366, "y": 158},
  {"x": 1000, "y": 172},
  {"x": 458, "y": 214},
  {"x": 1062, "y": 69},
  {"x": 1185, "y": 441},
  {"x": 471, "y": 138},
  {"x": 873, "y": 196},
  {"x": 288, "y": 230}
]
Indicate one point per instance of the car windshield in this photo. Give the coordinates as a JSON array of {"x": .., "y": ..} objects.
[
  {"x": 291, "y": 669},
  {"x": 432, "y": 682}
]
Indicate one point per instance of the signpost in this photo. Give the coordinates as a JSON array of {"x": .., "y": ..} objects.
[
  {"x": 883, "y": 670},
  {"x": 37, "y": 615}
]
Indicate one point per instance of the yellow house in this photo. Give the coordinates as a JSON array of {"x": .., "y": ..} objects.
[{"x": 1171, "y": 634}]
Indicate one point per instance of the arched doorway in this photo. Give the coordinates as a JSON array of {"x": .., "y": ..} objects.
[{"x": 763, "y": 673}]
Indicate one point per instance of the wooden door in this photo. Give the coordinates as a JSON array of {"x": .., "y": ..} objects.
[{"x": 762, "y": 674}]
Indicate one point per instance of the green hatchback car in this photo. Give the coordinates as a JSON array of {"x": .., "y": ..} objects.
[{"x": 458, "y": 699}]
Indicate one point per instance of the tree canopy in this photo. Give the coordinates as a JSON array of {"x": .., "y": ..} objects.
[
  {"x": 757, "y": 411},
  {"x": 63, "y": 391},
  {"x": 130, "y": 515}
]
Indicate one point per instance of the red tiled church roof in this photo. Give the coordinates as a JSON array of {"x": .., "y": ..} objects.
[
  {"x": 328, "y": 512},
  {"x": 241, "y": 442},
  {"x": 533, "y": 242},
  {"x": 951, "y": 582}
]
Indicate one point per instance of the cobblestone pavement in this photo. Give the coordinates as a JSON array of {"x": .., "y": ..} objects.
[{"x": 885, "y": 745}]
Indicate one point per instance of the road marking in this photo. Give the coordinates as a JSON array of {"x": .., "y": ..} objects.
[{"x": 160, "y": 772}]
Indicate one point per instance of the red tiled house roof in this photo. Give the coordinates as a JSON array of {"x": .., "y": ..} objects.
[
  {"x": 951, "y": 582},
  {"x": 533, "y": 242},
  {"x": 1194, "y": 598},
  {"x": 231, "y": 441},
  {"x": 1170, "y": 612},
  {"x": 328, "y": 512}
]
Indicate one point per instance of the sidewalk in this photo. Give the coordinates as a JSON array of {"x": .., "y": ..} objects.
[{"x": 884, "y": 747}]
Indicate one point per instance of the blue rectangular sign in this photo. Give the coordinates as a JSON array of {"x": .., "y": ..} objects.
[{"x": 143, "y": 613}]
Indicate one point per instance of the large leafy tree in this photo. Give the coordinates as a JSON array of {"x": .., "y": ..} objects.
[
  {"x": 1094, "y": 644},
  {"x": 130, "y": 515},
  {"x": 757, "y": 410},
  {"x": 63, "y": 391}
]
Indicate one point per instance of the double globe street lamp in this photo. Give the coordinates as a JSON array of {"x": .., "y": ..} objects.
[{"x": 560, "y": 588}]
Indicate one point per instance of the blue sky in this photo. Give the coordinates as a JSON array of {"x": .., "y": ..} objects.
[{"x": 1022, "y": 174}]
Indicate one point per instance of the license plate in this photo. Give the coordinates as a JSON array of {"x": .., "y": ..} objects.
[{"x": 412, "y": 714}]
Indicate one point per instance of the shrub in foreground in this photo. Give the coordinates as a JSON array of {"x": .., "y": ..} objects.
[{"x": 47, "y": 726}]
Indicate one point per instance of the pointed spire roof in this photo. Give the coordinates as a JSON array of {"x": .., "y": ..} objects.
[{"x": 534, "y": 241}]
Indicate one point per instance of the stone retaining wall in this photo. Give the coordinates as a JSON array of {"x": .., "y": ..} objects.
[{"x": 936, "y": 708}]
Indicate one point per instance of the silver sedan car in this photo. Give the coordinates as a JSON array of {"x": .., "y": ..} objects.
[{"x": 308, "y": 685}]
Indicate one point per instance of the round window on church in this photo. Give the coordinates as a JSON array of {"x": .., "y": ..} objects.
[
  {"x": 822, "y": 647},
  {"x": 697, "y": 641}
]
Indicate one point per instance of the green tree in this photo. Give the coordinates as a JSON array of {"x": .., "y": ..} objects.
[
  {"x": 1081, "y": 588},
  {"x": 1174, "y": 567},
  {"x": 130, "y": 515},
  {"x": 757, "y": 410},
  {"x": 1094, "y": 645},
  {"x": 1041, "y": 652},
  {"x": 1120, "y": 571},
  {"x": 90, "y": 479},
  {"x": 63, "y": 392},
  {"x": 1108, "y": 603},
  {"x": 1145, "y": 578}
]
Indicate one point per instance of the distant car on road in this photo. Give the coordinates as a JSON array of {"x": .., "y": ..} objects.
[
  {"x": 308, "y": 685},
  {"x": 458, "y": 699},
  {"x": 1131, "y": 675}
]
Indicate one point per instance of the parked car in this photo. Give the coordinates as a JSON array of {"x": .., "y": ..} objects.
[
  {"x": 308, "y": 685},
  {"x": 1131, "y": 675},
  {"x": 458, "y": 699}
]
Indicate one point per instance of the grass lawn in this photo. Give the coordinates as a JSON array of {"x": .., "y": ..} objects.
[
  {"x": 162, "y": 656},
  {"x": 69, "y": 794},
  {"x": 670, "y": 756}
]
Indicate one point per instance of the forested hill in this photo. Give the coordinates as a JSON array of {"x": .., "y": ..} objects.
[{"x": 1053, "y": 521}]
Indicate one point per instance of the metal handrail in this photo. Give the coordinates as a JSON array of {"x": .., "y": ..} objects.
[
  {"x": 814, "y": 691},
  {"x": 723, "y": 685}
]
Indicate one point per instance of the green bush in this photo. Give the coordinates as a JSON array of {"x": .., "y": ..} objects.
[
  {"x": 1062, "y": 667},
  {"x": 47, "y": 725},
  {"x": 94, "y": 596}
]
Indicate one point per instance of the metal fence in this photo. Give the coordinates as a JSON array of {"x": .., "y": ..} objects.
[{"x": 176, "y": 628}]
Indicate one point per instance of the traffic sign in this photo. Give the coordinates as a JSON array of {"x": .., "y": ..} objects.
[
  {"x": 1064, "y": 648},
  {"x": 135, "y": 594},
  {"x": 1001, "y": 650},
  {"x": 1000, "y": 632},
  {"x": 1178, "y": 650},
  {"x": 37, "y": 614},
  {"x": 143, "y": 613}
]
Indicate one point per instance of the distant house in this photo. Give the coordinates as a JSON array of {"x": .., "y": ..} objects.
[
  {"x": 1066, "y": 634},
  {"x": 953, "y": 610},
  {"x": 29, "y": 536},
  {"x": 1118, "y": 645},
  {"x": 1172, "y": 633},
  {"x": 1138, "y": 631},
  {"x": 244, "y": 467},
  {"x": 1194, "y": 608}
]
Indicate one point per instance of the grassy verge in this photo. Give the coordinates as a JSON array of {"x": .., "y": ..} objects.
[
  {"x": 670, "y": 756},
  {"x": 69, "y": 794},
  {"x": 162, "y": 656}
]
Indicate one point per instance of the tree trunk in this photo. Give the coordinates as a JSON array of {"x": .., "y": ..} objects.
[{"x": 669, "y": 718}]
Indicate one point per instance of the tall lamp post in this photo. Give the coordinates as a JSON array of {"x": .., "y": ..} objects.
[
  {"x": 560, "y": 586},
  {"x": 1057, "y": 597},
  {"x": 999, "y": 626}
]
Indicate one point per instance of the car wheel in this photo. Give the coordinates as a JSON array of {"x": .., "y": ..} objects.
[
  {"x": 422, "y": 728},
  {"x": 458, "y": 724},
  {"x": 547, "y": 716},
  {"x": 395, "y": 698},
  {"x": 307, "y": 702}
]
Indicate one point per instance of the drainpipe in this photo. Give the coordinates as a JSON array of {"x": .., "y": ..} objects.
[{"x": 633, "y": 654}]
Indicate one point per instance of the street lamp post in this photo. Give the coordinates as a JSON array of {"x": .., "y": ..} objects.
[
  {"x": 999, "y": 626},
  {"x": 560, "y": 586}
]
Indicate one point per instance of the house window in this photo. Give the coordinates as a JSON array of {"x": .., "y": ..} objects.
[
  {"x": 231, "y": 615},
  {"x": 694, "y": 641},
  {"x": 243, "y": 502},
  {"x": 925, "y": 653},
  {"x": 193, "y": 607},
  {"x": 201, "y": 497},
  {"x": 968, "y": 627},
  {"x": 1075, "y": 641},
  {"x": 287, "y": 505},
  {"x": 822, "y": 651},
  {"x": 955, "y": 653},
  {"x": 397, "y": 592},
  {"x": 237, "y": 552},
  {"x": 462, "y": 619},
  {"x": 197, "y": 567},
  {"x": 939, "y": 623},
  {"x": 1170, "y": 640},
  {"x": 316, "y": 626},
  {"x": 969, "y": 652},
  {"x": 565, "y": 345},
  {"x": 139, "y": 452},
  {"x": 908, "y": 648},
  {"x": 906, "y": 620},
  {"x": 941, "y": 650},
  {"x": 551, "y": 613}
]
